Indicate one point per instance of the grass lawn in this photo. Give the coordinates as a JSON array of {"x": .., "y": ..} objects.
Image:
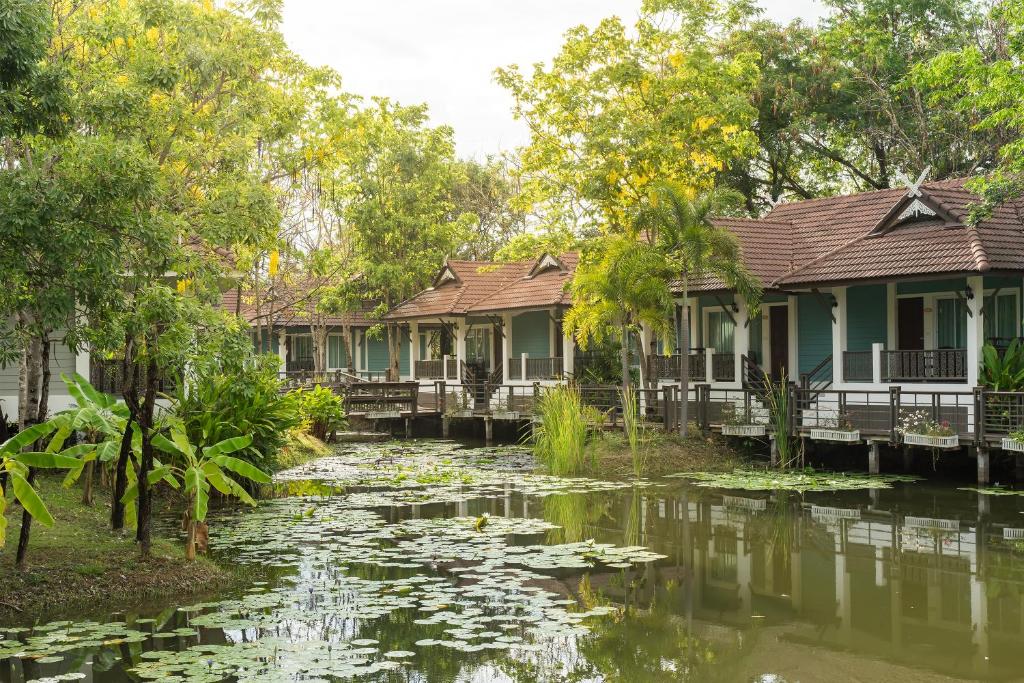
[
  {"x": 667, "y": 454},
  {"x": 80, "y": 565}
]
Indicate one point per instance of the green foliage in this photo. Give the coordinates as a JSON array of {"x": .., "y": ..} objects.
[
  {"x": 561, "y": 437},
  {"x": 1005, "y": 371},
  {"x": 778, "y": 399},
  {"x": 321, "y": 411},
  {"x": 240, "y": 400},
  {"x": 635, "y": 431}
]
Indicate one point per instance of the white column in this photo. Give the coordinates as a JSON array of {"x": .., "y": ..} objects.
[
  {"x": 568, "y": 354},
  {"x": 282, "y": 349},
  {"x": 414, "y": 348},
  {"x": 838, "y": 334},
  {"x": 876, "y": 362},
  {"x": 975, "y": 329},
  {"x": 741, "y": 338},
  {"x": 709, "y": 371},
  {"x": 506, "y": 345},
  {"x": 522, "y": 366},
  {"x": 552, "y": 333},
  {"x": 82, "y": 362},
  {"x": 793, "y": 367},
  {"x": 646, "y": 335},
  {"x": 890, "y": 316},
  {"x": 460, "y": 342}
]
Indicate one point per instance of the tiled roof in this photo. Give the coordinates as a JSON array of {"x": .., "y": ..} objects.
[
  {"x": 292, "y": 307},
  {"x": 832, "y": 240},
  {"x": 466, "y": 287}
]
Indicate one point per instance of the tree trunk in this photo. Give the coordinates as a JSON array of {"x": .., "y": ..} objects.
[
  {"x": 684, "y": 363},
  {"x": 346, "y": 340},
  {"x": 394, "y": 352},
  {"x": 121, "y": 479},
  {"x": 87, "y": 474},
  {"x": 143, "y": 531},
  {"x": 624, "y": 354},
  {"x": 190, "y": 531},
  {"x": 319, "y": 335},
  {"x": 37, "y": 413}
]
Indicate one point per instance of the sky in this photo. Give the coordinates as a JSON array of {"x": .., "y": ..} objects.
[{"x": 444, "y": 52}]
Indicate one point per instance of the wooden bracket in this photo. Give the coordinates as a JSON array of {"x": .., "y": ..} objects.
[
  {"x": 984, "y": 310},
  {"x": 963, "y": 300},
  {"x": 727, "y": 309},
  {"x": 824, "y": 303}
]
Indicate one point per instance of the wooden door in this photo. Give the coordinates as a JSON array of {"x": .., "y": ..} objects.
[
  {"x": 910, "y": 324},
  {"x": 778, "y": 334}
]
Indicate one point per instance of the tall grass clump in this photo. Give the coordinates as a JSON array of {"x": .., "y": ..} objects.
[
  {"x": 635, "y": 432},
  {"x": 778, "y": 400},
  {"x": 561, "y": 437}
]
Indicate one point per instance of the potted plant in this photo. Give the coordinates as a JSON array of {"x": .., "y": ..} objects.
[
  {"x": 1015, "y": 441},
  {"x": 503, "y": 410},
  {"x": 918, "y": 429},
  {"x": 460, "y": 406},
  {"x": 839, "y": 428},
  {"x": 734, "y": 424}
]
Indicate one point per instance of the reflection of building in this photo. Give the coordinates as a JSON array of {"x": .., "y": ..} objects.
[{"x": 932, "y": 592}]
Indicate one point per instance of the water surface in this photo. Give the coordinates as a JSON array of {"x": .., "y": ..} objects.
[{"x": 427, "y": 561}]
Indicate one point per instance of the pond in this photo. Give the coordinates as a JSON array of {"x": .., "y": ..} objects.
[{"x": 430, "y": 561}]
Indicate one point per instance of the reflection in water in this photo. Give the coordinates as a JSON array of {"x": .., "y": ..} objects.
[{"x": 755, "y": 586}]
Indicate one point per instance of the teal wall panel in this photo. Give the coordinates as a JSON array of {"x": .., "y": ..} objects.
[
  {"x": 866, "y": 317},
  {"x": 814, "y": 331},
  {"x": 530, "y": 334}
]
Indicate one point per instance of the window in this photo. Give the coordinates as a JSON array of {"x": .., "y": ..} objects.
[
  {"x": 302, "y": 347},
  {"x": 1001, "y": 324},
  {"x": 720, "y": 332},
  {"x": 335, "y": 352},
  {"x": 951, "y": 324}
]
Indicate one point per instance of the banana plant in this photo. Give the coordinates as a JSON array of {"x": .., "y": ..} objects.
[
  {"x": 15, "y": 465},
  {"x": 102, "y": 419},
  {"x": 196, "y": 469}
]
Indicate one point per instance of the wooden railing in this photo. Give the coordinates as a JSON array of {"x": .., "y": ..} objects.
[
  {"x": 430, "y": 369},
  {"x": 536, "y": 368},
  {"x": 377, "y": 400},
  {"x": 723, "y": 367},
  {"x": 858, "y": 366},
  {"x": 667, "y": 367},
  {"x": 939, "y": 365},
  {"x": 299, "y": 365},
  {"x": 453, "y": 368}
]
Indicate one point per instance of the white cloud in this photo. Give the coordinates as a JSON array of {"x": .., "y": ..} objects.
[{"x": 444, "y": 52}]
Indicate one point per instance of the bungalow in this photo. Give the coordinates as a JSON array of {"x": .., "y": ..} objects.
[
  {"x": 495, "y": 322},
  {"x": 866, "y": 291}
]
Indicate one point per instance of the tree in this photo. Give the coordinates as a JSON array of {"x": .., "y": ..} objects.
[
  {"x": 619, "y": 109},
  {"x": 838, "y": 108},
  {"x": 982, "y": 83},
  {"x": 394, "y": 189},
  {"x": 680, "y": 226},
  {"x": 620, "y": 283},
  {"x": 488, "y": 191}
]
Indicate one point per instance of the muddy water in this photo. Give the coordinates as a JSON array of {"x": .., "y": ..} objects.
[{"x": 438, "y": 563}]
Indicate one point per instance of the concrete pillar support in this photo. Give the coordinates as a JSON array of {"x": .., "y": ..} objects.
[
  {"x": 874, "y": 459},
  {"x": 489, "y": 429},
  {"x": 984, "y": 467}
]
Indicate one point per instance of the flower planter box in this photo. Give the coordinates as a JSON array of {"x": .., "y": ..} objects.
[
  {"x": 461, "y": 413},
  {"x": 383, "y": 415},
  {"x": 932, "y": 441},
  {"x": 743, "y": 430},
  {"x": 505, "y": 414},
  {"x": 838, "y": 435},
  {"x": 1013, "y": 445}
]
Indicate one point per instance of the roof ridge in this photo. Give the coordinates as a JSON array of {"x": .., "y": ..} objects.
[{"x": 978, "y": 251}]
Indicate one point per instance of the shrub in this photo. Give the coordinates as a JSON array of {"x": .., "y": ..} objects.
[
  {"x": 1003, "y": 372},
  {"x": 220, "y": 404},
  {"x": 561, "y": 438},
  {"x": 321, "y": 411}
]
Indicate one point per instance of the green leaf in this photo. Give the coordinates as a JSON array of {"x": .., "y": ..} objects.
[
  {"x": 30, "y": 500},
  {"x": 162, "y": 443},
  {"x": 3, "y": 519},
  {"x": 231, "y": 445},
  {"x": 26, "y": 437},
  {"x": 47, "y": 460},
  {"x": 242, "y": 468}
]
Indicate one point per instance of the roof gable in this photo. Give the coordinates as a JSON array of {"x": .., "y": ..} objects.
[
  {"x": 913, "y": 207},
  {"x": 445, "y": 275},
  {"x": 545, "y": 262}
]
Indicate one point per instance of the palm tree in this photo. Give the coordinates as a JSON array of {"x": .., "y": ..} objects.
[
  {"x": 680, "y": 225},
  {"x": 620, "y": 282}
]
